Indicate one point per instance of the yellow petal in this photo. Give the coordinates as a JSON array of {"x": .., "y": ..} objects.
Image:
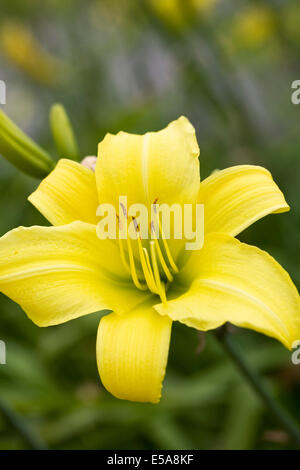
[
  {"x": 67, "y": 194},
  {"x": 160, "y": 166},
  {"x": 132, "y": 353},
  {"x": 237, "y": 197},
  {"x": 60, "y": 273},
  {"x": 230, "y": 281}
]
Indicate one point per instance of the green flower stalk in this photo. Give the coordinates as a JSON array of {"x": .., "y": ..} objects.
[
  {"x": 20, "y": 150},
  {"x": 63, "y": 134}
]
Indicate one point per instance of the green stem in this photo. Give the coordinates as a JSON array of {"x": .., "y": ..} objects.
[
  {"x": 279, "y": 413},
  {"x": 20, "y": 425}
]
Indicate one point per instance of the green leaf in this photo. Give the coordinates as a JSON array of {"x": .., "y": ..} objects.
[{"x": 243, "y": 419}]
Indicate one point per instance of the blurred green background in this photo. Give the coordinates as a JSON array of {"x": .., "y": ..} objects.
[{"x": 136, "y": 65}]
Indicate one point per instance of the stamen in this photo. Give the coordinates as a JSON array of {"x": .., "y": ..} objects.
[
  {"x": 121, "y": 248},
  {"x": 151, "y": 275},
  {"x": 122, "y": 253},
  {"x": 146, "y": 268},
  {"x": 123, "y": 209},
  {"x": 137, "y": 229},
  {"x": 149, "y": 268},
  {"x": 166, "y": 246},
  {"x": 144, "y": 258},
  {"x": 159, "y": 284},
  {"x": 163, "y": 296},
  {"x": 133, "y": 272},
  {"x": 162, "y": 261}
]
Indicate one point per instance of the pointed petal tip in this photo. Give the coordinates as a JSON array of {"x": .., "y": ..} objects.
[{"x": 238, "y": 196}]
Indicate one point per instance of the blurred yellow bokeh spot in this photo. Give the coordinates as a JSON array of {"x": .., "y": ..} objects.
[
  {"x": 176, "y": 12},
  {"x": 254, "y": 26},
  {"x": 21, "y": 47}
]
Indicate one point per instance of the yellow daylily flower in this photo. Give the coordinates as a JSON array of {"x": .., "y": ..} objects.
[{"x": 61, "y": 272}]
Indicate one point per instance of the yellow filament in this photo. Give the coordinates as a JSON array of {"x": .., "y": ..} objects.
[
  {"x": 168, "y": 252},
  {"x": 146, "y": 267},
  {"x": 162, "y": 261},
  {"x": 159, "y": 284},
  {"x": 122, "y": 253},
  {"x": 149, "y": 268},
  {"x": 132, "y": 267},
  {"x": 166, "y": 246}
]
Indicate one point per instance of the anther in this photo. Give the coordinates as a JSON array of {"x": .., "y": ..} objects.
[
  {"x": 123, "y": 209},
  {"x": 136, "y": 226}
]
